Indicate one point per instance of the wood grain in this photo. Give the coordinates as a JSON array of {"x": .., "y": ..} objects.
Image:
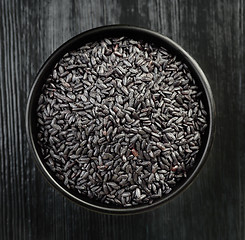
[{"x": 211, "y": 31}]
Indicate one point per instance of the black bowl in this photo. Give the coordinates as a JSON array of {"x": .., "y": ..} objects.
[{"x": 138, "y": 34}]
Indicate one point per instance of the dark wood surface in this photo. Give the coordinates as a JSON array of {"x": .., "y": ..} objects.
[{"x": 211, "y": 31}]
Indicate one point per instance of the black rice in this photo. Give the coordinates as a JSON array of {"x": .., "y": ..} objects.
[{"x": 120, "y": 121}]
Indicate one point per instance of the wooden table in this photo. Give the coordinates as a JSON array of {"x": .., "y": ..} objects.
[{"x": 211, "y": 31}]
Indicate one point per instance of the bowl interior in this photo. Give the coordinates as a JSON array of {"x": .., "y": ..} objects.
[{"x": 138, "y": 34}]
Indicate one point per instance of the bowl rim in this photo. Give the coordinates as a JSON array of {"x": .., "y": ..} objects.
[{"x": 134, "y": 209}]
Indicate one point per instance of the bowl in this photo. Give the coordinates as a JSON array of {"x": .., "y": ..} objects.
[{"x": 138, "y": 34}]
